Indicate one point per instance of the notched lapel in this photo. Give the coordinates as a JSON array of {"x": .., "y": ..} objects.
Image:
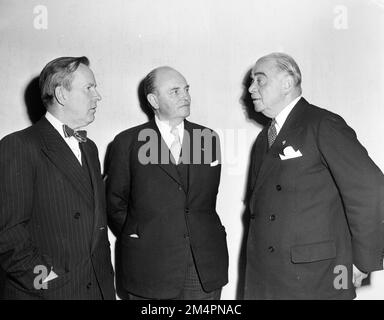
[
  {"x": 260, "y": 153},
  {"x": 270, "y": 162},
  {"x": 59, "y": 153},
  {"x": 98, "y": 192},
  {"x": 291, "y": 128},
  {"x": 164, "y": 152}
]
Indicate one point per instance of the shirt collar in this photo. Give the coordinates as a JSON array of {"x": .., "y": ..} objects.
[
  {"x": 283, "y": 115},
  {"x": 165, "y": 128},
  {"x": 56, "y": 123}
]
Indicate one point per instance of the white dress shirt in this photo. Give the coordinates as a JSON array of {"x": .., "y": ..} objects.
[
  {"x": 70, "y": 141},
  {"x": 283, "y": 115},
  {"x": 165, "y": 131}
]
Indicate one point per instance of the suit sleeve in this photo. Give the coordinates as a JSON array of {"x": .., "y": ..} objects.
[
  {"x": 117, "y": 184},
  {"x": 18, "y": 254},
  {"x": 361, "y": 185}
]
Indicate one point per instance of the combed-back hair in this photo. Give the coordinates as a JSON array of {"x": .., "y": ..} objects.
[
  {"x": 58, "y": 72},
  {"x": 285, "y": 62}
]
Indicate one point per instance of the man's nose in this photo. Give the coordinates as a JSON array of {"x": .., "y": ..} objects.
[
  {"x": 97, "y": 95},
  {"x": 252, "y": 88},
  {"x": 186, "y": 96}
]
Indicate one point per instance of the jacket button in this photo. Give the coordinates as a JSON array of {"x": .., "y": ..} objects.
[
  {"x": 187, "y": 210},
  {"x": 278, "y": 187},
  {"x": 272, "y": 217},
  {"x": 271, "y": 249},
  {"x": 89, "y": 285},
  {"x": 252, "y": 216},
  {"x": 77, "y": 215},
  {"x": 180, "y": 188},
  {"x": 186, "y": 237}
]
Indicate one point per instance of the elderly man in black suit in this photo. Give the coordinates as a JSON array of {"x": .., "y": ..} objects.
[
  {"x": 162, "y": 182},
  {"x": 53, "y": 223},
  {"x": 316, "y": 198}
]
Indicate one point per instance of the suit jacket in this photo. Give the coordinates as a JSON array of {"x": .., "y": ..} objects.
[
  {"x": 313, "y": 216},
  {"x": 169, "y": 217},
  {"x": 53, "y": 215}
]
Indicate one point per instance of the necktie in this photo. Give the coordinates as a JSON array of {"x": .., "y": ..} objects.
[
  {"x": 80, "y": 135},
  {"x": 272, "y": 133},
  {"x": 176, "y": 145}
]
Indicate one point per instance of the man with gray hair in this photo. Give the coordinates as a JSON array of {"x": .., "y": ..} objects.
[
  {"x": 315, "y": 196},
  {"x": 53, "y": 223}
]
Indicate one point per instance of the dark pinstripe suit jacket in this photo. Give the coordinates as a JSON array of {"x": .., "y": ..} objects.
[{"x": 52, "y": 214}]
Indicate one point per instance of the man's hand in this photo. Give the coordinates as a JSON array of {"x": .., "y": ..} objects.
[{"x": 358, "y": 277}]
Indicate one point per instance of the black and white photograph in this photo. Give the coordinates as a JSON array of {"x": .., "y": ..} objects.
[{"x": 191, "y": 150}]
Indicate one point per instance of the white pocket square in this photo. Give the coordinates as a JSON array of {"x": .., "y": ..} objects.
[
  {"x": 134, "y": 235},
  {"x": 290, "y": 153},
  {"x": 214, "y": 163}
]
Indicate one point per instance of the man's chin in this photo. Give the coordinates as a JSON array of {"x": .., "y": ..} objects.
[
  {"x": 186, "y": 111},
  {"x": 258, "y": 106}
]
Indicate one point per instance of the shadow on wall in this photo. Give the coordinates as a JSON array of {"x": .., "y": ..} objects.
[
  {"x": 145, "y": 108},
  {"x": 246, "y": 101},
  {"x": 259, "y": 120},
  {"x": 33, "y": 102},
  {"x": 144, "y": 104}
]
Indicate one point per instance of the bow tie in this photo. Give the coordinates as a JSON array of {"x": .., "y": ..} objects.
[{"x": 80, "y": 135}]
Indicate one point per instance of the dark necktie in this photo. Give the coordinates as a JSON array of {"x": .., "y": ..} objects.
[
  {"x": 80, "y": 135},
  {"x": 272, "y": 133}
]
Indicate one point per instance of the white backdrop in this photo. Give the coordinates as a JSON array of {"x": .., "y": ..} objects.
[{"x": 337, "y": 43}]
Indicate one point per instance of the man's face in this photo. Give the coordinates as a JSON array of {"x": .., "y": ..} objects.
[
  {"x": 81, "y": 101},
  {"x": 172, "y": 95},
  {"x": 266, "y": 88}
]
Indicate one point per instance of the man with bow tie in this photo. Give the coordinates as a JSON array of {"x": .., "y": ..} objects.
[
  {"x": 53, "y": 224},
  {"x": 314, "y": 195},
  {"x": 162, "y": 182}
]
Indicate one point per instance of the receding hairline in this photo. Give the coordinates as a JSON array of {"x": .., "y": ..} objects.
[
  {"x": 282, "y": 62},
  {"x": 273, "y": 60},
  {"x": 163, "y": 70}
]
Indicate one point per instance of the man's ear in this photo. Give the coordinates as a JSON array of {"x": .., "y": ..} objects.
[
  {"x": 288, "y": 84},
  {"x": 152, "y": 99},
  {"x": 60, "y": 95}
]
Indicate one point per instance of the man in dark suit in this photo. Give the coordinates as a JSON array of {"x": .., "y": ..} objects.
[
  {"x": 53, "y": 224},
  {"x": 162, "y": 182},
  {"x": 315, "y": 196}
]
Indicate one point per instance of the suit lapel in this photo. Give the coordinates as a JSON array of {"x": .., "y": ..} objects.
[
  {"x": 98, "y": 191},
  {"x": 187, "y": 152},
  {"x": 164, "y": 154},
  {"x": 260, "y": 153},
  {"x": 271, "y": 161},
  {"x": 63, "y": 158}
]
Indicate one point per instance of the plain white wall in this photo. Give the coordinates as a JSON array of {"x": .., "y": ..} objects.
[{"x": 337, "y": 43}]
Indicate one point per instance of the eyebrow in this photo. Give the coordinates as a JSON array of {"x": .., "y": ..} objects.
[
  {"x": 174, "y": 88},
  {"x": 258, "y": 74}
]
